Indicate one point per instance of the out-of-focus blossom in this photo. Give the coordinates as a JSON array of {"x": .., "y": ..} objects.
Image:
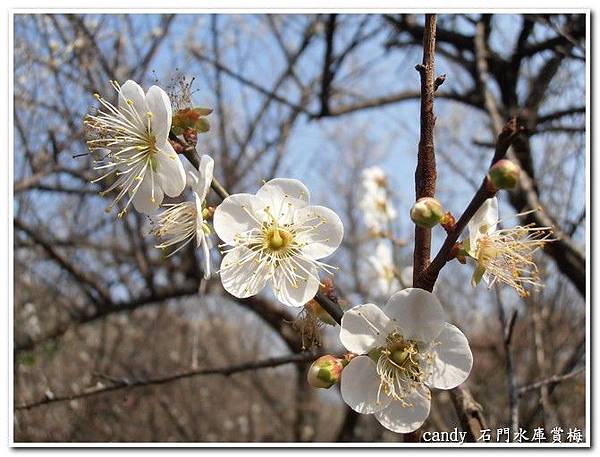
[
  {"x": 375, "y": 203},
  {"x": 383, "y": 272}
]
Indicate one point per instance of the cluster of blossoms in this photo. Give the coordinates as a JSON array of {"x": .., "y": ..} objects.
[
  {"x": 277, "y": 238},
  {"x": 375, "y": 203},
  {"x": 378, "y": 214},
  {"x": 132, "y": 146},
  {"x": 131, "y": 141}
]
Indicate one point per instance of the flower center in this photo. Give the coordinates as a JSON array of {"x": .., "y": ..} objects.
[
  {"x": 277, "y": 239},
  {"x": 486, "y": 251},
  {"x": 401, "y": 367}
]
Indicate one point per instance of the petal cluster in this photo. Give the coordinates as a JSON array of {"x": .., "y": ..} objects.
[
  {"x": 131, "y": 140},
  {"x": 504, "y": 255},
  {"x": 275, "y": 237},
  {"x": 404, "y": 348},
  {"x": 180, "y": 223},
  {"x": 378, "y": 210},
  {"x": 384, "y": 273}
]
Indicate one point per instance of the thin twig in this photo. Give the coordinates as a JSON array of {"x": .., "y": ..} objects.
[
  {"x": 507, "y": 325},
  {"x": 125, "y": 383},
  {"x": 429, "y": 276},
  {"x": 549, "y": 381}
]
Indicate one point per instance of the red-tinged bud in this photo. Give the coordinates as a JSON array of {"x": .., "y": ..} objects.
[
  {"x": 458, "y": 253},
  {"x": 325, "y": 372},
  {"x": 190, "y": 118},
  {"x": 191, "y": 136},
  {"x": 448, "y": 222},
  {"x": 426, "y": 212},
  {"x": 504, "y": 174},
  {"x": 177, "y": 146}
]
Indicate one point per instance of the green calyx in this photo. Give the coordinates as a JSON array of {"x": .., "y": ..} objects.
[{"x": 193, "y": 118}]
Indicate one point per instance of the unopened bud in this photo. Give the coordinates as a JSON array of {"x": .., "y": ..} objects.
[
  {"x": 426, "y": 212},
  {"x": 504, "y": 174},
  {"x": 325, "y": 372}
]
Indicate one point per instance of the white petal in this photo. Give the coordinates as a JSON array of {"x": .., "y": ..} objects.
[
  {"x": 360, "y": 386},
  {"x": 204, "y": 178},
  {"x": 484, "y": 221},
  {"x": 406, "y": 276},
  {"x": 160, "y": 106},
  {"x": 299, "y": 291},
  {"x": 282, "y": 196},
  {"x": 327, "y": 235},
  {"x": 405, "y": 419},
  {"x": 363, "y": 328},
  {"x": 170, "y": 171},
  {"x": 452, "y": 361},
  {"x": 142, "y": 200},
  {"x": 240, "y": 274},
  {"x": 235, "y": 215},
  {"x": 132, "y": 91},
  {"x": 418, "y": 313}
]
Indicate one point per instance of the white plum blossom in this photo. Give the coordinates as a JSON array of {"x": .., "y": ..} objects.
[
  {"x": 384, "y": 273},
  {"x": 375, "y": 203},
  {"x": 132, "y": 140},
  {"x": 406, "y": 276},
  {"x": 182, "y": 222},
  {"x": 276, "y": 237},
  {"x": 504, "y": 255},
  {"x": 403, "y": 350}
]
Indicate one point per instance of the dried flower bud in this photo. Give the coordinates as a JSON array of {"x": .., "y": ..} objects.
[
  {"x": 504, "y": 174},
  {"x": 193, "y": 118},
  {"x": 325, "y": 372},
  {"x": 426, "y": 212},
  {"x": 191, "y": 136},
  {"x": 316, "y": 310}
]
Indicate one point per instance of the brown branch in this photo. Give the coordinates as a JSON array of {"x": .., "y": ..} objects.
[
  {"x": 327, "y": 75},
  {"x": 125, "y": 383},
  {"x": 425, "y": 174},
  {"x": 550, "y": 381},
  {"x": 429, "y": 276},
  {"x": 507, "y": 325},
  {"x": 94, "y": 291},
  {"x": 469, "y": 413},
  {"x": 104, "y": 310},
  {"x": 569, "y": 259}
]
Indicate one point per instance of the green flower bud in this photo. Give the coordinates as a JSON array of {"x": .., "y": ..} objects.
[
  {"x": 504, "y": 174},
  {"x": 426, "y": 212},
  {"x": 325, "y": 372}
]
